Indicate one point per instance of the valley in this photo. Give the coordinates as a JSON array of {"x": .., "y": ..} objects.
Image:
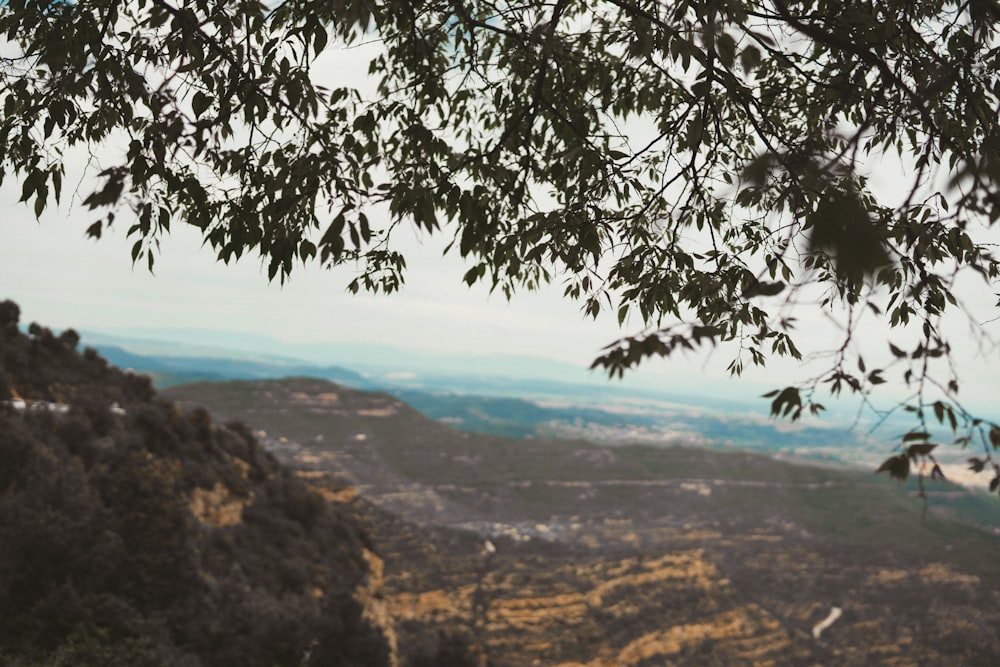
[{"x": 562, "y": 552}]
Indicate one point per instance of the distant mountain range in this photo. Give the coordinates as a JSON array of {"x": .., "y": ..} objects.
[
  {"x": 556, "y": 391},
  {"x": 376, "y": 359},
  {"x": 514, "y": 396},
  {"x": 169, "y": 370},
  {"x": 195, "y": 351},
  {"x": 382, "y": 365}
]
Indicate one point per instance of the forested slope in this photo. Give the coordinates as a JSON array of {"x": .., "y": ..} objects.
[{"x": 134, "y": 533}]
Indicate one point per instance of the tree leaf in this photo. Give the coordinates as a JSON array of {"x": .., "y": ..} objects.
[
  {"x": 200, "y": 103},
  {"x": 750, "y": 58},
  {"x": 920, "y": 450},
  {"x": 898, "y": 467}
]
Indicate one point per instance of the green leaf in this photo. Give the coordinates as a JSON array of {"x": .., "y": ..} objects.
[
  {"x": 788, "y": 403},
  {"x": 764, "y": 288},
  {"x": 726, "y": 46},
  {"x": 29, "y": 185},
  {"x": 57, "y": 184},
  {"x": 319, "y": 39},
  {"x": 41, "y": 195},
  {"x": 471, "y": 276}
]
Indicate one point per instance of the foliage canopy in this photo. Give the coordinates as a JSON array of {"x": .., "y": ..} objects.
[{"x": 706, "y": 166}]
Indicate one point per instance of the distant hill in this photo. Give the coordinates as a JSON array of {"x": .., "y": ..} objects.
[
  {"x": 169, "y": 370},
  {"x": 409, "y": 447},
  {"x": 381, "y": 358},
  {"x": 529, "y": 408},
  {"x": 388, "y": 366},
  {"x": 134, "y": 533}
]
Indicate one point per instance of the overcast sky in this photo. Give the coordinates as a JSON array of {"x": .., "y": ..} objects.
[{"x": 61, "y": 279}]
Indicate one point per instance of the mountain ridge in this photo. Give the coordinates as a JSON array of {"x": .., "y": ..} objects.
[{"x": 482, "y": 403}]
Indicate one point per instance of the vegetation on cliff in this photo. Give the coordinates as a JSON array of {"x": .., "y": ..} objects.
[{"x": 134, "y": 533}]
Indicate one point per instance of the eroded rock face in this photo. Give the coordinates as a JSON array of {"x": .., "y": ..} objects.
[
  {"x": 375, "y": 610},
  {"x": 600, "y": 612},
  {"x": 218, "y": 506}
]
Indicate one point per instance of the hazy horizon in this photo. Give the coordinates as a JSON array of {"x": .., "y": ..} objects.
[{"x": 63, "y": 280}]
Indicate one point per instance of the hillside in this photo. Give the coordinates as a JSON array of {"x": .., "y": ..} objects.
[
  {"x": 635, "y": 555},
  {"x": 167, "y": 371},
  {"x": 523, "y": 406},
  {"x": 135, "y": 533}
]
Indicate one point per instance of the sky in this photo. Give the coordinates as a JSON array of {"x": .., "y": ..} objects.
[{"x": 62, "y": 279}]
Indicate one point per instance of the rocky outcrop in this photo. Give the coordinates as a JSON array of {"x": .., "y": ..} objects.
[
  {"x": 218, "y": 506},
  {"x": 375, "y": 610}
]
